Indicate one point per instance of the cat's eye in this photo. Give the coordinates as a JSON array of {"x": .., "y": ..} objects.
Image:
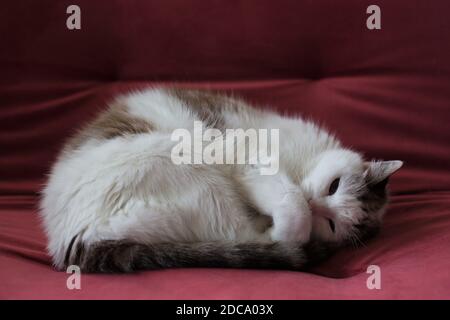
[
  {"x": 334, "y": 186},
  {"x": 332, "y": 225}
]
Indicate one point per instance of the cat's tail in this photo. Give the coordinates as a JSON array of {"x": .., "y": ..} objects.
[{"x": 127, "y": 256}]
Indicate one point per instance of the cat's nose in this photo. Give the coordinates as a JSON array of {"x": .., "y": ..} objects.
[{"x": 321, "y": 210}]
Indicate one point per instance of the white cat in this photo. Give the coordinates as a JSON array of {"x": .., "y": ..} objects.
[{"x": 116, "y": 202}]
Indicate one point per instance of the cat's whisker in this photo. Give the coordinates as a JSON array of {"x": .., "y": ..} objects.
[{"x": 356, "y": 237}]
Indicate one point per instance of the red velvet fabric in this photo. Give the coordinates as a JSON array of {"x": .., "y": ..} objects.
[{"x": 384, "y": 92}]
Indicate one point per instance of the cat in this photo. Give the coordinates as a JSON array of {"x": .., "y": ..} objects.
[{"x": 116, "y": 202}]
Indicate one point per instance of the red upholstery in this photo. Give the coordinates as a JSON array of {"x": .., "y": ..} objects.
[{"x": 384, "y": 92}]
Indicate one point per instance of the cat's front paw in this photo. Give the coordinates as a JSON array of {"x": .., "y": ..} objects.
[{"x": 292, "y": 219}]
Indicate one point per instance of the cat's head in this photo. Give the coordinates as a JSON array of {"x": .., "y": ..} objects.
[{"x": 347, "y": 195}]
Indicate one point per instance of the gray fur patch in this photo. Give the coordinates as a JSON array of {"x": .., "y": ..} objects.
[
  {"x": 128, "y": 256},
  {"x": 113, "y": 122}
]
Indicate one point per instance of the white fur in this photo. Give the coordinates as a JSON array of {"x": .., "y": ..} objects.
[{"x": 129, "y": 187}]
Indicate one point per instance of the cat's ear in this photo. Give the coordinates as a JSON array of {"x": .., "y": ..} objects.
[{"x": 377, "y": 173}]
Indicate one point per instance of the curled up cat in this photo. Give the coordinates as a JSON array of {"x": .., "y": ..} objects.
[{"x": 116, "y": 201}]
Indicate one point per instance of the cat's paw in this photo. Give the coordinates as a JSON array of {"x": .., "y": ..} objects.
[{"x": 292, "y": 219}]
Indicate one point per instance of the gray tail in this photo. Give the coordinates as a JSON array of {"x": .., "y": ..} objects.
[{"x": 118, "y": 256}]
